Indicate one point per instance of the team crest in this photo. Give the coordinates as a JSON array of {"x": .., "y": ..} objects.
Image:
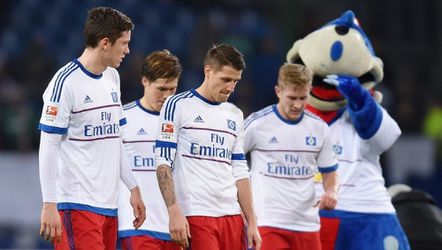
[
  {"x": 310, "y": 141},
  {"x": 231, "y": 125},
  {"x": 114, "y": 96},
  {"x": 337, "y": 149}
]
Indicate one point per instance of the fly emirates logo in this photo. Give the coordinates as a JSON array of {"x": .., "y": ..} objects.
[
  {"x": 289, "y": 169},
  {"x": 107, "y": 126},
  {"x": 218, "y": 148}
]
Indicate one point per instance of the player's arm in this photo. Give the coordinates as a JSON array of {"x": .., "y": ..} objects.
[
  {"x": 327, "y": 166},
  {"x": 136, "y": 200},
  {"x": 50, "y": 223},
  {"x": 178, "y": 225},
  {"x": 165, "y": 150},
  {"x": 245, "y": 199},
  {"x": 241, "y": 174},
  {"x": 330, "y": 185}
]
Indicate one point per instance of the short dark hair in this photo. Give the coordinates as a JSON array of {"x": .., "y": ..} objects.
[
  {"x": 161, "y": 64},
  {"x": 105, "y": 22},
  {"x": 224, "y": 55}
]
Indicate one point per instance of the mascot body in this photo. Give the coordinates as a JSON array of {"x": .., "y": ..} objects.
[{"x": 361, "y": 129}]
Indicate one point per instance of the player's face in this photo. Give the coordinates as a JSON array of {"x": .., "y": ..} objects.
[
  {"x": 157, "y": 91},
  {"x": 222, "y": 82},
  {"x": 292, "y": 100},
  {"x": 119, "y": 49}
]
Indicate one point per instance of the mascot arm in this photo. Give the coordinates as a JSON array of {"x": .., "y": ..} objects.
[{"x": 366, "y": 115}]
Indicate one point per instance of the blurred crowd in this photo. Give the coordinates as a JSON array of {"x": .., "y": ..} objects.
[{"x": 38, "y": 37}]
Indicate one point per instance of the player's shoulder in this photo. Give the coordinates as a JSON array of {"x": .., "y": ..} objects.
[
  {"x": 232, "y": 108},
  {"x": 173, "y": 99},
  {"x": 314, "y": 118},
  {"x": 65, "y": 71},
  {"x": 130, "y": 106},
  {"x": 257, "y": 117}
]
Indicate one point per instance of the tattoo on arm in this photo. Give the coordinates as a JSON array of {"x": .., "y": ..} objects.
[{"x": 165, "y": 181}]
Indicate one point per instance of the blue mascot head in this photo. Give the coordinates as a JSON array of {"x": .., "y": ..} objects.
[{"x": 342, "y": 48}]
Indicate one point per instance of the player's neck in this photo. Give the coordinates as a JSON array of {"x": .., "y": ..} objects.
[
  {"x": 145, "y": 104},
  {"x": 204, "y": 92},
  {"x": 92, "y": 61}
]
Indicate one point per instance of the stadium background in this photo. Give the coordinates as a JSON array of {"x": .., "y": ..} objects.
[{"x": 38, "y": 37}]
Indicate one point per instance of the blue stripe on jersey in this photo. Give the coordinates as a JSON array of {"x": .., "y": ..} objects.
[
  {"x": 123, "y": 121},
  {"x": 168, "y": 154},
  {"x": 58, "y": 95},
  {"x": 52, "y": 129},
  {"x": 138, "y": 232},
  {"x": 254, "y": 116},
  {"x": 62, "y": 73},
  {"x": 238, "y": 157},
  {"x": 171, "y": 104},
  {"x": 165, "y": 144},
  {"x": 328, "y": 169},
  {"x": 129, "y": 105},
  {"x": 188, "y": 95},
  {"x": 77, "y": 206}
]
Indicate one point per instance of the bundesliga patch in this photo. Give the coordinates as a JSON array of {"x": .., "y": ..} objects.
[
  {"x": 51, "y": 113},
  {"x": 167, "y": 130},
  {"x": 51, "y": 110},
  {"x": 231, "y": 124}
]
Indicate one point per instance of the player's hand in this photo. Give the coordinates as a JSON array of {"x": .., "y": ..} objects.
[
  {"x": 50, "y": 223},
  {"x": 253, "y": 236},
  {"x": 328, "y": 200},
  {"x": 138, "y": 207},
  {"x": 178, "y": 226}
]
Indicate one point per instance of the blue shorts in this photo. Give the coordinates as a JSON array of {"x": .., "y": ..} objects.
[{"x": 363, "y": 231}]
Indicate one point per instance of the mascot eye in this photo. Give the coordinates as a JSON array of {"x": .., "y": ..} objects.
[{"x": 341, "y": 30}]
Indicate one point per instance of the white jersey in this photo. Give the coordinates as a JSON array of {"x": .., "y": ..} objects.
[
  {"x": 362, "y": 187},
  {"x": 86, "y": 109},
  {"x": 203, "y": 142},
  {"x": 139, "y": 136},
  {"x": 285, "y": 155}
]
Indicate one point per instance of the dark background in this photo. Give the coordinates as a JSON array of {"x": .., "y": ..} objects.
[{"x": 38, "y": 37}]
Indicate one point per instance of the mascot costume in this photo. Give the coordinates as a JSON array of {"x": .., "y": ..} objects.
[{"x": 346, "y": 69}]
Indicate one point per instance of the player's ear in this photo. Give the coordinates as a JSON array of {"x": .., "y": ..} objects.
[
  {"x": 208, "y": 71},
  {"x": 277, "y": 90},
  {"x": 104, "y": 43},
  {"x": 145, "y": 81}
]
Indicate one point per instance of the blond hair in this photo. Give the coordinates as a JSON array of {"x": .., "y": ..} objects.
[{"x": 294, "y": 74}]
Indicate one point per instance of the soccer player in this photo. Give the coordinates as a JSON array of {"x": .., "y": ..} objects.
[
  {"x": 287, "y": 146},
  {"x": 81, "y": 154},
  {"x": 160, "y": 73},
  {"x": 199, "y": 150}
]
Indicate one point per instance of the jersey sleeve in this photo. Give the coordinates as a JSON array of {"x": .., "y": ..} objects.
[
  {"x": 384, "y": 137},
  {"x": 167, "y": 133},
  {"x": 327, "y": 161},
  {"x": 249, "y": 139},
  {"x": 240, "y": 169},
  {"x": 57, "y": 103}
]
